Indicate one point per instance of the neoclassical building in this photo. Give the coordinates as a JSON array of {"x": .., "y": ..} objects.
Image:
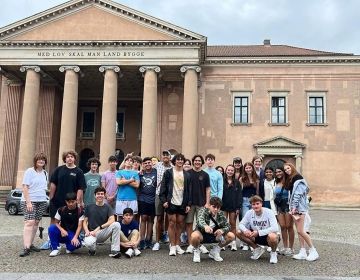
[{"x": 102, "y": 78}]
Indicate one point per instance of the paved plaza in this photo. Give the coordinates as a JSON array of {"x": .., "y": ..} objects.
[{"x": 335, "y": 233}]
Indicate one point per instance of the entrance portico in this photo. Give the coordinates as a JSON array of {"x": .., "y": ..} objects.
[{"x": 158, "y": 52}]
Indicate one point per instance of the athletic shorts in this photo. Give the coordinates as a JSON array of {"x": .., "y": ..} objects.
[
  {"x": 159, "y": 208},
  {"x": 122, "y": 204},
  {"x": 209, "y": 238},
  {"x": 261, "y": 240},
  {"x": 194, "y": 210},
  {"x": 175, "y": 209},
  {"x": 146, "y": 208},
  {"x": 38, "y": 211}
]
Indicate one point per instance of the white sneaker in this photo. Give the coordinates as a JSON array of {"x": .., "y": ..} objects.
[
  {"x": 179, "y": 250},
  {"x": 223, "y": 248},
  {"x": 268, "y": 249},
  {"x": 137, "y": 252},
  {"x": 301, "y": 256},
  {"x": 172, "y": 251},
  {"x": 129, "y": 253},
  {"x": 203, "y": 249},
  {"x": 156, "y": 246},
  {"x": 189, "y": 249},
  {"x": 215, "y": 254},
  {"x": 54, "y": 253},
  {"x": 273, "y": 257},
  {"x": 313, "y": 255},
  {"x": 288, "y": 252},
  {"x": 258, "y": 251},
  {"x": 233, "y": 246},
  {"x": 68, "y": 251},
  {"x": 245, "y": 248},
  {"x": 196, "y": 257}
]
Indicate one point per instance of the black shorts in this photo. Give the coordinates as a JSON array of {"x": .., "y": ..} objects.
[
  {"x": 261, "y": 240},
  {"x": 146, "y": 208},
  {"x": 175, "y": 209},
  {"x": 208, "y": 238}
]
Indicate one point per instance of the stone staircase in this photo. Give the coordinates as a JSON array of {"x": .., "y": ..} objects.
[{"x": 3, "y": 195}]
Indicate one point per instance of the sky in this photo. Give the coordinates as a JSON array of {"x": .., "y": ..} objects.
[{"x": 328, "y": 25}]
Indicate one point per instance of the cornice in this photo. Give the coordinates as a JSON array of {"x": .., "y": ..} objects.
[
  {"x": 100, "y": 43},
  {"x": 280, "y": 61},
  {"x": 71, "y": 6}
]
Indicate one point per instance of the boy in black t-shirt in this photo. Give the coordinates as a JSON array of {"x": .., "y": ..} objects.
[
  {"x": 67, "y": 227},
  {"x": 129, "y": 235}
]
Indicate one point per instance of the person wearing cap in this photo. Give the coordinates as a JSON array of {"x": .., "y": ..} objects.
[{"x": 161, "y": 167}]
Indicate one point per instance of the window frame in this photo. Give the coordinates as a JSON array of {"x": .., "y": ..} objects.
[
  {"x": 279, "y": 94},
  {"x": 317, "y": 94},
  {"x": 87, "y": 135},
  {"x": 241, "y": 94},
  {"x": 120, "y": 136}
]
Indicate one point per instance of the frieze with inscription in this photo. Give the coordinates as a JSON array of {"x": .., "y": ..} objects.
[{"x": 91, "y": 54}]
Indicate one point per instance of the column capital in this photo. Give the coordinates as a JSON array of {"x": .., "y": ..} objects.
[
  {"x": 115, "y": 68},
  {"x": 184, "y": 68},
  {"x": 143, "y": 69},
  {"x": 24, "y": 68},
  {"x": 64, "y": 68}
]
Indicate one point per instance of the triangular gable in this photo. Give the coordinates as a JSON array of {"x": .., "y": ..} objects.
[
  {"x": 95, "y": 20},
  {"x": 280, "y": 142}
]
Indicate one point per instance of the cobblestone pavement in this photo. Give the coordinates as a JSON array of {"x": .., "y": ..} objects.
[{"x": 335, "y": 234}]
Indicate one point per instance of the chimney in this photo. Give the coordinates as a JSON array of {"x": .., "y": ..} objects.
[{"x": 267, "y": 42}]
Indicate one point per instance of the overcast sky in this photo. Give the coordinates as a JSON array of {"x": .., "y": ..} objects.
[{"x": 330, "y": 25}]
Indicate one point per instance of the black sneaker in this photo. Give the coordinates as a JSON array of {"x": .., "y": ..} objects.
[
  {"x": 92, "y": 252},
  {"x": 115, "y": 254},
  {"x": 34, "y": 249},
  {"x": 25, "y": 253}
]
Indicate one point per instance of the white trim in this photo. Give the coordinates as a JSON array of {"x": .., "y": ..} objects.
[
  {"x": 279, "y": 93},
  {"x": 245, "y": 93},
  {"x": 317, "y": 93}
]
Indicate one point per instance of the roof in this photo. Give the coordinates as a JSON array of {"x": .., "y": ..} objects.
[{"x": 265, "y": 50}]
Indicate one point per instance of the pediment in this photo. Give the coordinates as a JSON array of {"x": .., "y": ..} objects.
[
  {"x": 95, "y": 20},
  {"x": 279, "y": 142}
]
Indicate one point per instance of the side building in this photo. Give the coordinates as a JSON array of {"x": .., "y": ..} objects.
[{"x": 101, "y": 78}]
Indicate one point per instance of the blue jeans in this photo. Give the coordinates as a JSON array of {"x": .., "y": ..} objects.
[
  {"x": 56, "y": 239},
  {"x": 245, "y": 206}
]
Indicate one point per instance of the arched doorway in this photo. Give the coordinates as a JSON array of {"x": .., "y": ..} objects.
[
  {"x": 275, "y": 163},
  {"x": 120, "y": 157},
  {"x": 85, "y": 155}
]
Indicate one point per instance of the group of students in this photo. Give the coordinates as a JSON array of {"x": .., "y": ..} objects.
[{"x": 185, "y": 198}]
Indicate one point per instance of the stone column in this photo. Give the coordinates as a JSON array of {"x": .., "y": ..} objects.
[
  {"x": 109, "y": 113},
  {"x": 27, "y": 143},
  {"x": 298, "y": 162},
  {"x": 149, "y": 114},
  {"x": 69, "y": 110},
  {"x": 190, "y": 111}
]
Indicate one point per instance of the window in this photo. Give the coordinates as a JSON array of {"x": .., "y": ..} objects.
[
  {"x": 316, "y": 108},
  {"x": 88, "y": 123},
  {"x": 241, "y": 108},
  {"x": 278, "y": 108},
  {"x": 120, "y": 124}
]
